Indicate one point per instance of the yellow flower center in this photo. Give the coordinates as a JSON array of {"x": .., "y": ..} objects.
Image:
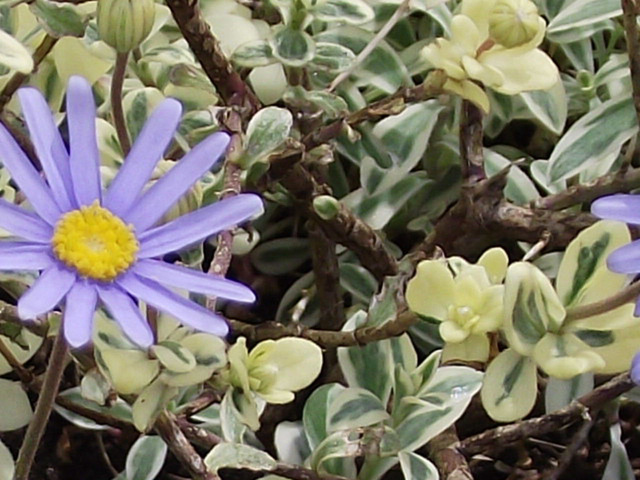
[
  {"x": 464, "y": 316},
  {"x": 95, "y": 242}
]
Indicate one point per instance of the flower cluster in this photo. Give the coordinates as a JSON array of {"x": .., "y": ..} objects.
[
  {"x": 494, "y": 42},
  {"x": 93, "y": 245}
]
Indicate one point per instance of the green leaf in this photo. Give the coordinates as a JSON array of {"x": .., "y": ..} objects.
[
  {"x": 357, "y": 363},
  {"x": 329, "y": 456},
  {"x": 382, "y": 68},
  {"x": 257, "y": 53},
  {"x": 531, "y": 307},
  {"x": 314, "y": 414},
  {"x": 347, "y": 11},
  {"x": 406, "y": 135},
  {"x": 151, "y": 401},
  {"x": 358, "y": 281},
  {"x": 21, "y": 354},
  {"x": 560, "y": 393},
  {"x": 600, "y": 132},
  {"x": 145, "y": 459},
  {"x": 291, "y": 443},
  {"x": 7, "y": 466},
  {"x": 548, "y": 106},
  {"x": 510, "y": 386},
  {"x": 416, "y": 467},
  {"x": 439, "y": 406},
  {"x": 267, "y": 130},
  {"x": 237, "y": 455},
  {"x": 14, "y": 405},
  {"x": 292, "y": 47},
  {"x": 280, "y": 256},
  {"x": 138, "y": 105},
  {"x": 332, "y": 57},
  {"x": 174, "y": 356},
  {"x": 353, "y": 408},
  {"x": 580, "y": 14},
  {"x": 583, "y": 276},
  {"x": 120, "y": 409},
  {"x": 519, "y": 188},
  {"x": 59, "y": 20},
  {"x": 618, "y": 466},
  {"x": 13, "y": 54}
]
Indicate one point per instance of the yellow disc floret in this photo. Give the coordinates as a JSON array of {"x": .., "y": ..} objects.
[{"x": 95, "y": 242}]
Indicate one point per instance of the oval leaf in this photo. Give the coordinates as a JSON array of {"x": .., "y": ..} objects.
[{"x": 145, "y": 459}]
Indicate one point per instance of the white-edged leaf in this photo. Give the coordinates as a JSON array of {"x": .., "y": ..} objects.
[
  {"x": 548, "y": 106},
  {"x": 314, "y": 414},
  {"x": 21, "y": 354},
  {"x": 618, "y": 466},
  {"x": 13, "y": 54},
  {"x": 582, "y": 13},
  {"x": 267, "y": 130},
  {"x": 237, "y": 455},
  {"x": 59, "y": 20},
  {"x": 174, "y": 356},
  {"x": 510, "y": 386},
  {"x": 600, "y": 132},
  {"x": 145, "y": 458},
  {"x": 293, "y": 47},
  {"x": 120, "y": 409},
  {"x": 358, "y": 281},
  {"x": 7, "y": 466},
  {"x": 14, "y": 405},
  {"x": 280, "y": 256},
  {"x": 347, "y": 11},
  {"x": 416, "y": 467},
  {"x": 256, "y": 53},
  {"x": 291, "y": 443},
  {"x": 560, "y": 393},
  {"x": 150, "y": 403},
  {"x": 332, "y": 57},
  {"x": 519, "y": 188},
  {"x": 353, "y": 408}
]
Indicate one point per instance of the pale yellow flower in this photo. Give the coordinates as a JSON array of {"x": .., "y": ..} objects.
[
  {"x": 466, "y": 299},
  {"x": 494, "y": 43}
]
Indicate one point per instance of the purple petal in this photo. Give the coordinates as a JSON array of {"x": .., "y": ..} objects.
[
  {"x": 85, "y": 158},
  {"x": 192, "y": 280},
  {"x": 625, "y": 259},
  {"x": 46, "y": 292},
  {"x": 24, "y": 224},
  {"x": 127, "y": 314},
  {"x": 198, "y": 225},
  {"x": 636, "y": 310},
  {"x": 146, "y": 152},
  {"x": 625, "y": 208},
  {"x": 80, "y": 306},
  {"x": 24, "y": 256},
  {"x": 635, "y": 369},
  {"x": 49, "y": 146},
  {"x": 168, "y": 189},
  {"x": 27, "y": 178},
  {"x": 186, "y": 311}
]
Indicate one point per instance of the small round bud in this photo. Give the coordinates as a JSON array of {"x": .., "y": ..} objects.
[
  {"x": 124, "y": 24},
  {"x": 326, "y": 206},
  {"x": 514, "y": 22}
]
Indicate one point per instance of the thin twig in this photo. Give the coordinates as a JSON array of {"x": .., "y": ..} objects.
[
  {"x": 372, "y": 45},
  {"x": 450, "y": 462},
  {"x": 168, "y": 429},
  {"x": 40, "y": 418},
  {"x": 567, "y": 456},
  {"x": 626, "y": 295},
  {"x": 25, "y": 375},
  {"x": 116, "y": 101},
  {"x": 505, "y": 435},
  {"x": 471, "y": 137},
  {"x": 324, "y": 338},
  {"x": 105, "y": 455},
  {"x": 19, "y": 78}
]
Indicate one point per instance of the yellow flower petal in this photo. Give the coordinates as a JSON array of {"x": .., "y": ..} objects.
[
  {"x": 431, "y": 291},
  {"x": 532, "y": 70},
  {"x": 452, "y": 332},
  {"x": 475, "y": 94},
  {"x": 491, "y": 310},
  {"x": 478, "y": 10},
  {"x": 465, "y": 34},
  {"x": 495, "y": 262},
  {"x": 488, "y": 75}
]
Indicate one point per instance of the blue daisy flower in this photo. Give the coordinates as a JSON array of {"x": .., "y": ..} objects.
[{"x": 104, "y": 247}]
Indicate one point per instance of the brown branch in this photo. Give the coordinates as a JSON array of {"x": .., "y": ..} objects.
[
  {"x": 621, "y": 181},
  {"x": 450, "y": 462},
  {"x": 502, "y": 436},
  {"x": 324, "y": 338},
  {"x": 471, "y": 140},
  {"x": 233, "y": 90},
  {"x": 26, "y": 377},
  {"x": 168, "y": 429},
  {"x": 327, "y": 280},
  {"x": 18, "y": 79},
  {"x": 567, "y": 456},
  {"x": 629, "y": 12}
]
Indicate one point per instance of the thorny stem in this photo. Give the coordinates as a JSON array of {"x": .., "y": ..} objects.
[
  {"x": 625, "y": 295},
  {"x": 46, "y": 399},
  {"x": 116, "y": 101}
]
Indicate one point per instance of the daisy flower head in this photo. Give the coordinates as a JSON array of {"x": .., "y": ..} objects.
[{"x": 104, "y": 247}]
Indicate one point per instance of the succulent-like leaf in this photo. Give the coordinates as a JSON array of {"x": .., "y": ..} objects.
[
  {"x": 353, "y": 408},
  {"x": 145, "y": 458}
]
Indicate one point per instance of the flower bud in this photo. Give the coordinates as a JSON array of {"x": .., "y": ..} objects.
[
  {"x": 124, "y": 24},
  {"x": 326, "y": 206},
  {"x": 514, "y": 22}
]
